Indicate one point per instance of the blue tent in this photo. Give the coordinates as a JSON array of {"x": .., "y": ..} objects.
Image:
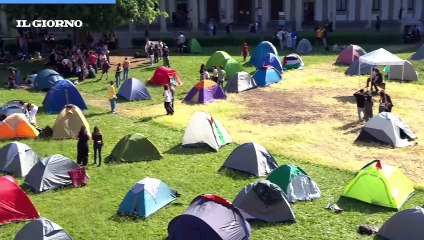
[
  {"x": 260, "y": 50},
  {"x": 146, "y": 197},
  {"x": 272, "y": 60},
  {"x": 60, "y": 94},
  {"x": 46, "y": 78},
  {"x": 133, "y": 90},
  {"x": 266, "y": 75}
]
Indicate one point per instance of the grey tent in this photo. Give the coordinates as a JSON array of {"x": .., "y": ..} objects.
[
  {"x": 251, "y": 158},
  {"x": 304, "y": 46},
  {"x": 406, "y": 224},
  {"x": 209, "y": 217},
  {"x": 388, "y": 128},
  {"x": 353, "y": 69},
  {"x": 409, "y": 73},
  {"x": 50, "y": 173},
  {"x": 42, "y": 229},
  {"x": 239, "y": 82},
  {"x": 264, "y": 201},
  {"x": 11, "y": 108},
  {"x": 17, "y": 159},
  {"x": 418, "y": 55}
]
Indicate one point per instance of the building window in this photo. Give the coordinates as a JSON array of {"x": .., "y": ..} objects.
[
  {"x": 376, "y": 5},
  {"x": 341, "y": 5},
  {"x": 411, "y": 4}
]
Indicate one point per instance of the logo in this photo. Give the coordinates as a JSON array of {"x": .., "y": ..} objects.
[{"x": 49, "y": 23}]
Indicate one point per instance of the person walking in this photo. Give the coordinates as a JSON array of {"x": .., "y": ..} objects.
[
  {"x": 82, "y": 147},
  {"x": 165, "y": 55},
  {"x": 112, "y": 97},
  {"x": 168, "y": 100},
  {"x": 151, "y": 53},
  {"x": 386, "y": 103},
  {"x": 126, "y": 64},
  {"x": 97, "y": 145},
  {"x": 105, "y": 69},
  {"x": 244, "y": 51},
  {"x": 118, "y": 75},
  {"x": 221, "y": 76},
  {"x": 368, "y": 106},
  {"x": 360, "y": 103}
]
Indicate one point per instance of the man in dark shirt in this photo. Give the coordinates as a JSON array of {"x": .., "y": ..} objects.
[
  {"x": 360, "y": 102},
  {"x": 376, "y": 79}
]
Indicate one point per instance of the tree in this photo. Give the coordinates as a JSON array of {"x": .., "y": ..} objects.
[{"x": 97, "y": 18}]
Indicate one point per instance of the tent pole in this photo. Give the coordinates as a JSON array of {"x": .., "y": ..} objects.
[
  {"x": 403, "y": 71},
  {"x": 67, "y": 97}
]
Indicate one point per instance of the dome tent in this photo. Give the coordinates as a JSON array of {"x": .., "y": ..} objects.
[
  {"x": 231, "y": 67},
  {"x": 132, "y": 90},
  {"x": 17, "y": 158},
  {"x": 205, "y": 91},
  {"x": 304, "y": 46},
  {"x": 406, "y": 224},
  {"x": 194, "y": 46},
  {"x": 239, "y": 82},
  {"x": 60, "y": 94},
  {"x": 17, "y": 126},
  {"x": 164, "y": 75},
  {"x": 266, "y": 76},
  {"x": 68, "y": 123},
  {"x": 217, "y": 58},
  {"x": 46, "y": 78},
  {"x": 134, "y": 147},
  {"x": 42, "y": 229},
  {"x": 349, "y": 54},
  {"x": 260, "y": 50}
]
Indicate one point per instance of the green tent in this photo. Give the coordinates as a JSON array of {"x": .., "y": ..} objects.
[
  {"x": 381, "y": 185},
  {"x": 283, "y": 175},
  {"x": 194, "y": 46},
  {"x": 217, "y": 58},
  {"x": 134, "y": 148},
  {"x": 232, "y": 67}
]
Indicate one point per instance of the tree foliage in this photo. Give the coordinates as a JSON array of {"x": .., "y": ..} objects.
[{"x": 96, "y": 17}]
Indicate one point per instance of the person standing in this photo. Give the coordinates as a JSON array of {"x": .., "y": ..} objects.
[
  {"x": 181, "y": 40},
  {"x": 360, "y": 103},
  {"x": 165, "y": 55},
  {"x": 82, "y": 147},
  {"x": 221, "y": 76},
  {"x": 92, "y": 60},
  {"x": 105, "y": 69},
  {"x": 215, "y": 74},
  {"x": 378, "y": 24},
  {"x": 168, "y": 100},
  {"x": 294, "y": 37},
  {"x": 171, "y": 86},
  {"x": 288, "y": 39},
  {"x": 368, "y": 106},
  {"x": 126, "y": 64},
  {"x": 151, "y": 53},
  {"x": 281, "y": 35},
  {"x": 386, "y": 103},
  {"x": 205, "y": 74},
  {"x": 112, "y": 97},
  {"x": 244, "y": 51},
  {"x": 97, "y": 145},
  {"x": 118, "y": 75}
]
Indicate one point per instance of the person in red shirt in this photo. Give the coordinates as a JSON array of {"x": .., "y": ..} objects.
[
  {"x": 244, "y": 51},
  {"x": 92, "y": 60}
]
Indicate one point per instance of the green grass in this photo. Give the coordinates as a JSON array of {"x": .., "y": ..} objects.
[{"x": 90, "y": 212}]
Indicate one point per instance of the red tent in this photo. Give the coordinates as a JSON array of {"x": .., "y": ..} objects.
[
  {"x": 14, "y": 203},
  {"x": 163, "y": 75},
  {"x": 349, "y": 54}
]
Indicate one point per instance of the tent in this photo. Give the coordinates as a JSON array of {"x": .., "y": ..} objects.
[
  {"x": 50, "y": 173},
  {"x": 134, "y": 147},
  {"x": 418, "y": 55},
  {"x": 217, "y": 58},
  {"x": 132, "y": 90},
  {"x": 17, "y": 126},
  {"x": 380, "y": 184},
  {"x": 194, "y": 46},
  {"x": 381, "y": 57},
  {"x": 14, "y": 203},
  {"x": 231, "y": 67},
  {"x": 209, "y": 217},
  {"x": 205, "y": 91},
  {"x": 354, "y": 69},
  {"x": 69, "y": 122},
  {"x": 264, "y": 201},
  {"x": 42, "y": 229},
  {"x": 46, "y": 78},
  {"x": 266, "y": 76},
  {"x": 17, "y": 159},
  {"x": 395, "y": 72},
  {"x": 349, "y": 54},
  {"x": 240, "y": 82},
  {"x": 60, "y": 94},
  {"x": 406, "y": 224},
  {"x": 387, "y": 128},
  {"x": 304, "y": 46},
  {"x": 204, "y": 130},
  {"x": 292, "y": 61},
  {"x": 251, "y": 158},
  {"x": 260, "y": 50},
  {"x": 12, "y": 107},
  {"x": 295, "y": 183},
  {"x": 270, "y": 59},
  {"x": 146, "y": 197},
  {"x": 164, "y": 75}
]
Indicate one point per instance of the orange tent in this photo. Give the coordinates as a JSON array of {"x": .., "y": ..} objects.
[{"x": 17, "y": 126}]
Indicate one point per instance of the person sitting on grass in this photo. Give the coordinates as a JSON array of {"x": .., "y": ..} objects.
[
  {"x": 91, "y": 72},
  {"x": 386, "y": 103}
]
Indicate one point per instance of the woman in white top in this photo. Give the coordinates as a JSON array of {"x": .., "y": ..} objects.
[
  {"x": 206, "y": 75},
  {"x": 168, "y": 100}
]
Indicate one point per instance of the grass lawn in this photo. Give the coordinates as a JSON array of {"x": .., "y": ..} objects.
[{"x": 320, "y": 142}]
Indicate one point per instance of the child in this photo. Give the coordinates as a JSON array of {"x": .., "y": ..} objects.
[
  {"x": 118, "y": 75},
  {"x": 97, "y": 145},
  {"x": 105, "y": 69},
  {"x": 168, "y": 100},
  {"x": 368, "y": 104},
  {"x": 244, "y": 51}
]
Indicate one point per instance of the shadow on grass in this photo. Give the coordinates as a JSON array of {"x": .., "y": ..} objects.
[
  {"x": 345, "y": 99},
  {"x": 148, "y": 119},
  {"x": 353, "y": 205},
  {"x": 96, "y": 114},
  {"x": 117, "y": 217},
  {"x": 236, "y": 175},
  {"x": 262, "y": 224},
  {"x": 179, "y": 150},
  {"x": 352, "y": 127}
]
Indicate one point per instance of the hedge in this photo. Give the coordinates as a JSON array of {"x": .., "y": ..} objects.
[{"x": 340, "y": 38}]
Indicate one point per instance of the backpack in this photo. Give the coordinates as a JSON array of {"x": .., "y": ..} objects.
[{"x": 268, "y": 192}]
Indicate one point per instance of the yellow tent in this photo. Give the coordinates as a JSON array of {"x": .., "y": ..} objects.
[
  {"x": 68, "y": 123},
  {"x": 17, "y": 126}
]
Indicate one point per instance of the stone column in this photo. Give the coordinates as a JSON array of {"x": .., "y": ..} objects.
[
  {"x": 351, "y": 10},
  {"x": 265, "y": 14},
  {"x": 318, "y": 10},
  {"x": 194, "y": 15},
  {"x": 202, "y": 6},
  {"x": 369, "y": 13},
  {"x": 299, "y": 14},
  {"x": 396, "y": 8},
  {"x": 405, "y": 8},
  {"x": 333, "y": 14},
  {"x": 287, "y": 8},
  {"x": 3, "y": 21},
  {"x": 418, "y": 9},
  {"x": 229, "y": 11},
  {"x": 385, "y": 10},
  {"x": 162, "y": 6}
]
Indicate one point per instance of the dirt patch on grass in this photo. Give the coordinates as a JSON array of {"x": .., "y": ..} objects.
[{"x": 293, "y": 107}]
